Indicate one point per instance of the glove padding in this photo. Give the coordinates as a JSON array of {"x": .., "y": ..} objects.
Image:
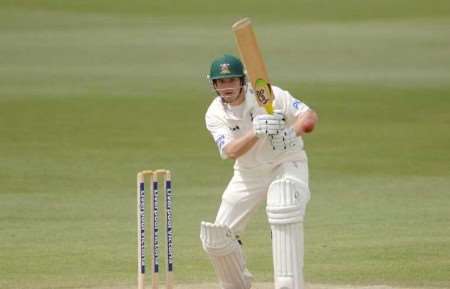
[
  {"x": 285, "y": 140},
  {"x": 269, "y": 124}
]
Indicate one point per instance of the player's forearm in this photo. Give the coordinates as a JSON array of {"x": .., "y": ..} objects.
[
  {"x": 306, "y": 123},
  {"x": 240, "y": 146}
]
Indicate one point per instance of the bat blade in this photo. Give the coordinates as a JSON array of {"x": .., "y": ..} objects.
[{"x": 254, "y": 63}]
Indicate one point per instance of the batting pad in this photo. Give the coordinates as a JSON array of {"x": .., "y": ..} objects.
[
  {"x": 286, "y": 204},
  {"x": 226, "y": 256}
]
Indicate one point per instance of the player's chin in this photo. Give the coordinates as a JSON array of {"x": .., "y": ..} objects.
[{"x": 228, "y": 98}]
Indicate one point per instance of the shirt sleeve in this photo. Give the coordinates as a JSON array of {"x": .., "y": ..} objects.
[
  {"x": 220, "y": 133},
  {"x": 292, "y": 106}
]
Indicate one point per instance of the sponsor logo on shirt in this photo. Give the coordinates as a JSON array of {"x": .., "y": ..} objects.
[
  {"x": 296, "y": 104},
  {"x": 220, "y": 141},
  {"x": 235, "y": 128}
]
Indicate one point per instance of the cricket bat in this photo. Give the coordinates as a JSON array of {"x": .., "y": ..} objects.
[{"x": 254, "y": 63}]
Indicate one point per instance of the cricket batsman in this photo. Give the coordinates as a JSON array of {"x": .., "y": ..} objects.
[{"x": 270, "y": 165}]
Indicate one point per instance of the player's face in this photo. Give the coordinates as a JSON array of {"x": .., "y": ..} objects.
[{"x": 230, "y": 90}]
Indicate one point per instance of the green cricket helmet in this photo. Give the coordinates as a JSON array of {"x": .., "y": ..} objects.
[{"x": 226, "y": 66}]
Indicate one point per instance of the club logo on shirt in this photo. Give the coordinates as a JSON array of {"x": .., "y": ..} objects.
[
  {"x": 296, "y": 104},
  {"x": 225, "y": 68}
]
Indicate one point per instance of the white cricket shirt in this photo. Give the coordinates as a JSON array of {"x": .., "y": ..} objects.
[{"x": 226, "y": 123}]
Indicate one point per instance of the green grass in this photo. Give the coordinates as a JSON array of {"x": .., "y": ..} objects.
[
  {"x": 290, "y": 10},
  {"x": 93, "y": 91}
]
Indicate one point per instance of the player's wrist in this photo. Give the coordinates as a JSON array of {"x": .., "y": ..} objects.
[
  {"x": 298, "y": 130},
  {"x": 257, "y": 134}
]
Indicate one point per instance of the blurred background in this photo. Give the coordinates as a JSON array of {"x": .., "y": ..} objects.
[{"x": 91, "y": 92}]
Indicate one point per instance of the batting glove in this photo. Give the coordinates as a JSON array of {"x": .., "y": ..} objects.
[
  {"x": 285, "y": 140},
  {"x": 269, "y": 124}
]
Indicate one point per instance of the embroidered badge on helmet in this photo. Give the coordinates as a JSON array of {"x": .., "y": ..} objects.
[{"x": 225, "y": 68}]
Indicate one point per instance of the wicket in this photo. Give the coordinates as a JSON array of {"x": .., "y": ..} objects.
[{"x": 154, "y": 189}]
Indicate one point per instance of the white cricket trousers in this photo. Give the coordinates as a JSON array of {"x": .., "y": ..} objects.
[{"x": 247, "y": 190}]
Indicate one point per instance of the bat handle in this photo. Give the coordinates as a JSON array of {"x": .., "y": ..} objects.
[{"x": 269, "y": 107}]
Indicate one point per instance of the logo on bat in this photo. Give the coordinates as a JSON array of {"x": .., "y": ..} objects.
[{"x": 263, "y": 92}]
